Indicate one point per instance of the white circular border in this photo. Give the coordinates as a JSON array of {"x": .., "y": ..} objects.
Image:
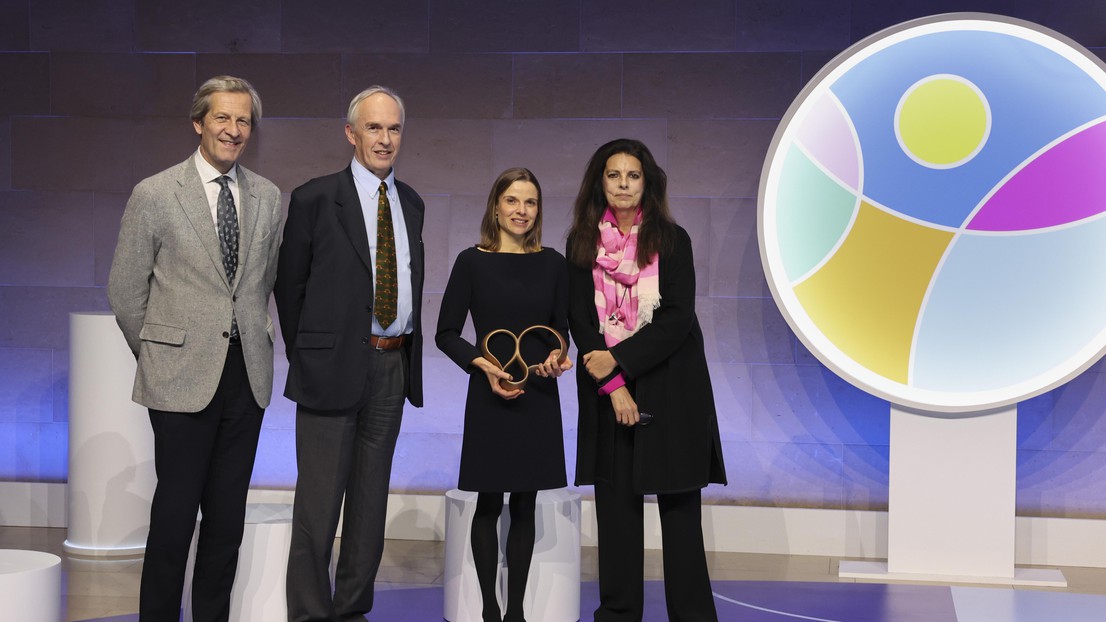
[{"x": 793, "y": 311}]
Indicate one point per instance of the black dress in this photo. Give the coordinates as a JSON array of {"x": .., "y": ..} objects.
[{"x": 509, "y": 445}]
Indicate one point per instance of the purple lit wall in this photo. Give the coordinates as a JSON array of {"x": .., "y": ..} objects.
[{"x": 96, "y": 94}]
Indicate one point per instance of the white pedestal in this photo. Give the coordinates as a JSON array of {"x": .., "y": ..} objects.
[
  {"x": 553, "y": 587},
  {"x": 111, "y": 446},
  {"x": 30, "y": 586},
  {"x": 259, "y": 583},
  {"x": 951, "y": 501}
]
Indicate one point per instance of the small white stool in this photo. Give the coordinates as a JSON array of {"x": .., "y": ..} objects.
[
  {"x": 30, "y": 584},
  {"x": 259, "y": 584},
  {"x": 553, "y": 587}
]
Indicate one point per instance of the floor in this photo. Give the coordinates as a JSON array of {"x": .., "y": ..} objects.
[{"x": 748, "y": 587}]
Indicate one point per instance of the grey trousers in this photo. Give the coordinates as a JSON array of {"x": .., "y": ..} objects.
[{"x": 344, "y": 453}]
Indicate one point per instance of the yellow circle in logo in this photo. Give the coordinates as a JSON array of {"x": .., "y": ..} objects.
[{"x": 942, "y": 121}]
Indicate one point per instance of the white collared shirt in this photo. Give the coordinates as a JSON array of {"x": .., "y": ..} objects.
[
  {"x": 208, "y": 175},
  {"x": 368, "y": 192}
]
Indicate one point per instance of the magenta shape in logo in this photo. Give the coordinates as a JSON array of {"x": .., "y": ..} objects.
[{"x": 1064, "y": 184}]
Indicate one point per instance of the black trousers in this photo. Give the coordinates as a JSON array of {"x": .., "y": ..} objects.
[
  {"x": 621, "y": 530},
  {"x": 203, "y": 461}
]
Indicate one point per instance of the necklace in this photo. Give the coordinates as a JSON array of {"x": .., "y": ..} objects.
[{"x": 616, "y": 315}]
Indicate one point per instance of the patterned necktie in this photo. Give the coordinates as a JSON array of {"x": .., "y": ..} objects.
[
  {"x": 387, "y": 292},
  {"x": 228, "y": 236}
]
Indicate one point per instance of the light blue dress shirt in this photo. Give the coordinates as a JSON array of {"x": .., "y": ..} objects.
[{"x": 368, "y": 192}]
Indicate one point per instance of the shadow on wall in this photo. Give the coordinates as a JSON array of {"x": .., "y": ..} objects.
[
  {"x": 838, "y": 434},
  {"x": 1062, "y": 450},
  {"x": 1061, "y": 459},
  {"x": 831, "y": 438},
  {"x": 121, "y": 519}
]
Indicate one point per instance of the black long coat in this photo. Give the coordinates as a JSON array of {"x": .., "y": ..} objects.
[{"x": 665, "y": 362}]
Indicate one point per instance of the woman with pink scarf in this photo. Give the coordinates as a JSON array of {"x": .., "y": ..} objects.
[{"x": 647, "y": 421}]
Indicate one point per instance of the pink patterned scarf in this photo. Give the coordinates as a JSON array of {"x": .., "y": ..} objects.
[{"x": 625, "y": 296}]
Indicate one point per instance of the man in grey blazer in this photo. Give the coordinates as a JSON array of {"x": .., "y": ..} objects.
[
  {"x": 190, "y": 285},
  {"x": 349, "y": 295}
]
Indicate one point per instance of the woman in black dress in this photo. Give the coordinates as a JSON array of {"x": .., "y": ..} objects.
[
  {"x": 647, "y": 419},
  {"x": 512, "y": 438}
]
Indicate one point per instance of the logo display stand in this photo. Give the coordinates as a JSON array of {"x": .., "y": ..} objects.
[
  {"x": 951, "y": 502},
  {"x": 932, "y": 226}
]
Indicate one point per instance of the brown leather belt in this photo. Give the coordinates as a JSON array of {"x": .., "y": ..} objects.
[{"x": 387, "y": 343}]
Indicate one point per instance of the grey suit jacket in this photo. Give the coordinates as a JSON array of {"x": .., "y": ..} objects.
[{"x": 170, "y": 293}]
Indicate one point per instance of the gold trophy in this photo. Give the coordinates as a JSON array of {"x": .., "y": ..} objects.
[{"x": 511, "y": 385}]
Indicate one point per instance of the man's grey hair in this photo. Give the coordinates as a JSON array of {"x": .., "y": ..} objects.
[
  {"x": 351, "y": 114},
  {"x": 201, "y": 101}
]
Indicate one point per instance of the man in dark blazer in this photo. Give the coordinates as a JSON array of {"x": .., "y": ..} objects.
[
  {"x": 349, "y": 292},
  {"x": 190, "y": 286}
]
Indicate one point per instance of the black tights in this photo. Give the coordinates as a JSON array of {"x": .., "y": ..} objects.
[{"x": 520, "y": 548}]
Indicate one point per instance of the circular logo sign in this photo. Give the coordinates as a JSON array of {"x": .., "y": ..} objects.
[{"x": 932, "y": 212}]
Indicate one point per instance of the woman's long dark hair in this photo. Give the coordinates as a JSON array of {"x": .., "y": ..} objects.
[{"x": 657, "y": 225}]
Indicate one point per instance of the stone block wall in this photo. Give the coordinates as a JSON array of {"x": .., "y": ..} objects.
[{"x": 96, "y": 96}]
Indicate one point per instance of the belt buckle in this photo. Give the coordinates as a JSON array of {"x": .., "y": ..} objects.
[{"x": 378, "y": 347}]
